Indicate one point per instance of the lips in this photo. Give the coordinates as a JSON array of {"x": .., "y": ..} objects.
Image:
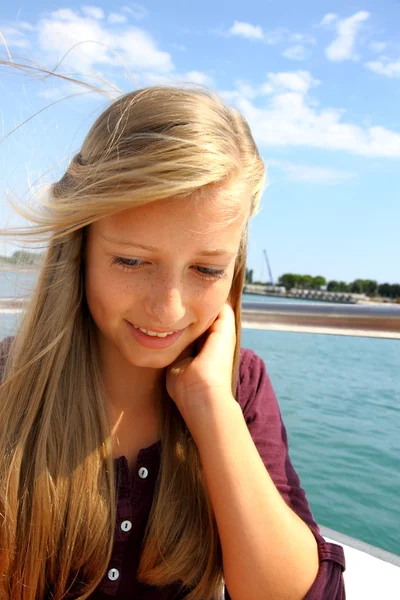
[
  {"x": 155, "y": 333},
  {"x": 154, "y": 341}
]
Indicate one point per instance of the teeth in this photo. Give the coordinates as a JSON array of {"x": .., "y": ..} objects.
[{"x": 154, "y": 333}]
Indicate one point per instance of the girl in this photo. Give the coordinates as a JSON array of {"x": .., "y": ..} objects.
[{"x": 142, "y": 452}]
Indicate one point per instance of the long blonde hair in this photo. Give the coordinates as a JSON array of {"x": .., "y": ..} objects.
[{"x": 57, "y": 475}]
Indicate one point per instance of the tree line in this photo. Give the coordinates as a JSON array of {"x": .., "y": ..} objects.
[
  {"x": 369, "y": 287},
  {"x": 21, "y": 258}
]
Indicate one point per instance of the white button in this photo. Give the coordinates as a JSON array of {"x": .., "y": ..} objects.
[
  {"x": 113, "y": 574},
  {"x": 126, "y": 525},
  {"x": 143, "y": 472}
]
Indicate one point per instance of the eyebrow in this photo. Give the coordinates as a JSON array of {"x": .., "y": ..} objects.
[{"x": 214, "y": 252}]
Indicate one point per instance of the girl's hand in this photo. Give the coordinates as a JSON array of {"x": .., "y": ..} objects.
[{"x": 195, "y": 381}]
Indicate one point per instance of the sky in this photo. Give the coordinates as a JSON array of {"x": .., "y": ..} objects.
[{"x": 318, "y": 82}]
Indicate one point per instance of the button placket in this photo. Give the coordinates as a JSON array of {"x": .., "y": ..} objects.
[
  {"x": 114, "y": 573},
  {"x": 131, "y": 486}
]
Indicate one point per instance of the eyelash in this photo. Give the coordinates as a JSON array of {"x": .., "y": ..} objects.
[{"x": 129, "y": 264}]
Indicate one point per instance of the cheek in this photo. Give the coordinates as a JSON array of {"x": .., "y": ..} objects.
[
  {"x": 210, "y": 304},
  {"x": 105, "y": 296}
]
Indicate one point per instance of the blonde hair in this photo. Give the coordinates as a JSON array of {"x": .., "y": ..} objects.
[{"x": 57, "y": 475}]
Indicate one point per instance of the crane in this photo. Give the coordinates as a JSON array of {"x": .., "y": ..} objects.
[{"x": 271, "y": 280}]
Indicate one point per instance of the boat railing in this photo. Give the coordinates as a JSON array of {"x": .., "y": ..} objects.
[{"x": 351, "y": 542}]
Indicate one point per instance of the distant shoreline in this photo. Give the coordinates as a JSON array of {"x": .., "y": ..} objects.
[{"x": 5, "y": 268}]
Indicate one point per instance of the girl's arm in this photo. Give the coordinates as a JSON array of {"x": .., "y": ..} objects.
[{"x": 271, "y": 545}]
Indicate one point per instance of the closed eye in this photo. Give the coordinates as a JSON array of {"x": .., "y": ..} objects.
[
  {"x": 210, "y": 273},
  {"x": 130, "y": 264}
]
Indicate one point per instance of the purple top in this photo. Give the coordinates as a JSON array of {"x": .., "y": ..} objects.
[{"x": 135, "y": 494}]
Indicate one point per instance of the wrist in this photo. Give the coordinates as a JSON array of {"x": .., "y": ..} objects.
[{"x": 206, "y": 412}]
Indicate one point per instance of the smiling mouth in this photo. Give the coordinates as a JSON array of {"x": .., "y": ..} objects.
[{"x": 151, "y": 333}]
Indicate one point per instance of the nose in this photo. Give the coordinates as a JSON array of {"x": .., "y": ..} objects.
[{"x": 164, "y": 305}]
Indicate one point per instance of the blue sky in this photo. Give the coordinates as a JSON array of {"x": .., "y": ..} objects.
[{"x": 318, "y": 82}]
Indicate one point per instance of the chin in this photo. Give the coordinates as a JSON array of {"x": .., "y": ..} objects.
[
  {"x": 150, "y": 359},
  {"x": 152, "y": 362}
]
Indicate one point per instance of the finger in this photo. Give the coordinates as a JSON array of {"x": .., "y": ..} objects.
[
  {"x": 222, "y": 337},
  {"x": 225, "y": 322}
]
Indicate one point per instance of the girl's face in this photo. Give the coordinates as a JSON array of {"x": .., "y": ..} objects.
[{"x": 163, "y": 267}]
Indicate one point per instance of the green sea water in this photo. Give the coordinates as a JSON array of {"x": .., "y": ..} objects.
[{"x": 340, "y": 401}]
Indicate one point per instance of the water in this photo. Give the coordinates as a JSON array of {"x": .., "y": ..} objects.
[
  {"x": 340, "y": 401},
  {"x": 339, "y": 398},
  {"x": 16, "y": 284}
]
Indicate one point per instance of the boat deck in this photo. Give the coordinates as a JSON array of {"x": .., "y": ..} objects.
[{"x": 371, "y": 573}]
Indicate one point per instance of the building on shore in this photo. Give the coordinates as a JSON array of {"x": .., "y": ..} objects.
[{"x": 297, "y": 293}]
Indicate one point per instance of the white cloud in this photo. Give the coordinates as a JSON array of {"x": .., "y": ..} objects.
[
  {"x": 302, "y": 38},
  {"x": 93, "y": 11},
  {"x": 328, "y": 19},
  {"x": 297, "y": 52},
  {"x": 25, "y": 25},
  {"x": 243, "y": 90},
  {"x": 52, "y": 94},
  {"x": 293, "y": 81},
  {"x": 92, "y": 44},
  {"x": 66, "y": 90},
  {"x": 390, "y": 69},
  {"x": 139, "y": 50},
  {"x": 289, "y": 117},
  {"x": 274, "y": 37},
  {"x": 137, "y": 11},
  {"x": 296, "y": 42},
  {"x": 246, "y": 89},
  {"x": 63, "y": 14},
  {"x": 20, "y": 43},
  {"x": 10, "y": 31},
  {"x": 246, "y": 30},
  {"x": 280, "y": 108},
  {"x": 342, "y": 48},
  {"x": 116, "y": 18},
  {"x": 378, "y": 46},
  {"x": 298, "y": 46},
  {"x": 13, "y": 38},
  {"x": 297, "y": 82},
  {"x": 62, "y": 29},
  {"x": 198, "y": 77},
  {"x": 14, "y": 42},
  {"x": 311, "y": 174}
]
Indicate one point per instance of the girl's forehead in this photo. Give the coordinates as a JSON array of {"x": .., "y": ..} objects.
[{"x": 195, "y": 215}]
